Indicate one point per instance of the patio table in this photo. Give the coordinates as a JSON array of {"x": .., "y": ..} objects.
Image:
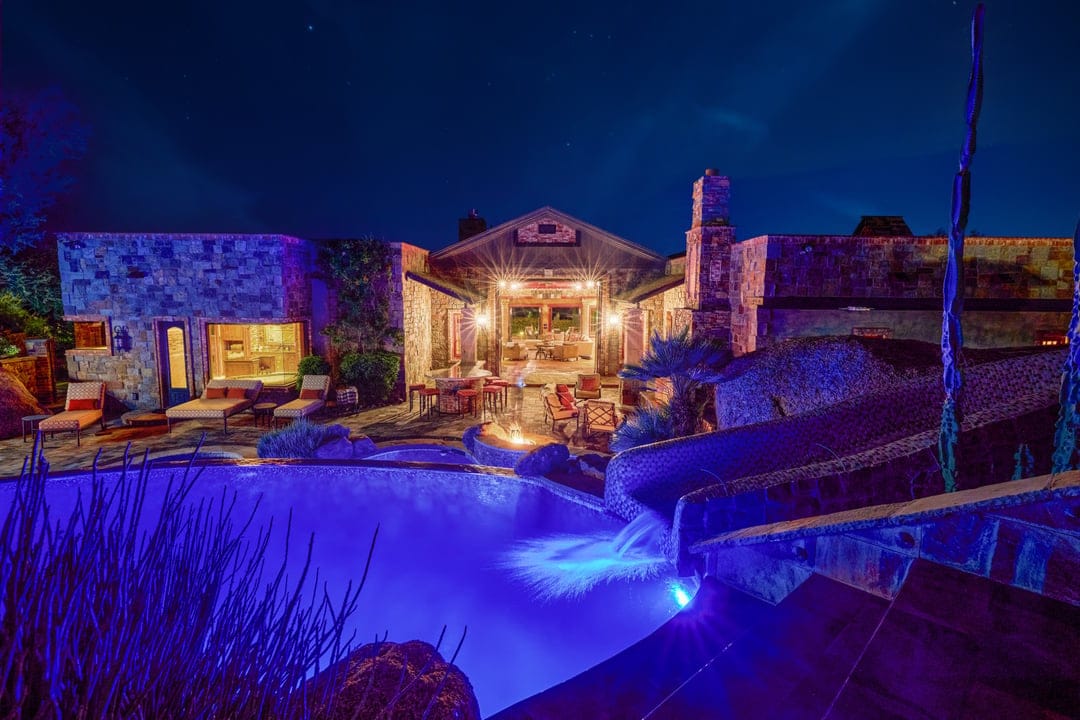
[{"x": 450, "y": 380}]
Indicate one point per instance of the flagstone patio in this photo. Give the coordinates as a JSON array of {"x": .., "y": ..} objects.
[{"x": 393, "y": 424}]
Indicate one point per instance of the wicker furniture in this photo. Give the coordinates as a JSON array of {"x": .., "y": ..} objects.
[
  {"x": 210, "y": 406},
  {"x": 313, "y": 390},
  {"x": 83, "y": 407}
]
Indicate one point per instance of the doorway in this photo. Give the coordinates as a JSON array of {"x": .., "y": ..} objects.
[{"x": 173, "y": 362}]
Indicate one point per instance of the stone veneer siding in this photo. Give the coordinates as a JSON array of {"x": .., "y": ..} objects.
[
  {"x": 796, "y": 286},
  {"x": 136, "y": 279}
]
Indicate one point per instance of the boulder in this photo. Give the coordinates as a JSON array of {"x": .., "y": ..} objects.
[
  {"x": 336, "y": 449},
  {"x": 335, "y": 431},
  {"x": 593, "y": 465},
  {"x": 369, "y": 678},
  {"x": 363, "y": 446},
  {"x": 15, "y": 402},
  {"x": 543, "y": 461}
]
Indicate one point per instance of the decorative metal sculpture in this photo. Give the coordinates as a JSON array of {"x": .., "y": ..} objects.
[{"x": 951, "y": 334}]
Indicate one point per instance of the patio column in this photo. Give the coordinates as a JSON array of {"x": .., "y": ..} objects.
[
  {"x": 634, "y": 346},
  {"x": 468, "y": 335}
]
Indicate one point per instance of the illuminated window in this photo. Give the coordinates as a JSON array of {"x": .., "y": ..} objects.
[
  {"x": 267, "y": 351},
  {"x": 1047, "y": 339},
  {"x": 91, "y": 335}
]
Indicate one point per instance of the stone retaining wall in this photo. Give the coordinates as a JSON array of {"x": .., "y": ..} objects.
[{"x": 657, "y": 477}]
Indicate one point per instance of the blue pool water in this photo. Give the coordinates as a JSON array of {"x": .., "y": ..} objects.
[{"x": 446, "y": 542}]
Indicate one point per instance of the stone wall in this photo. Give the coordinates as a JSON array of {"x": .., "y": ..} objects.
[
  {"x": 136, "y": 280},
  {"x": 441, "y": 307},
  {"x": 797, "y": 286}
]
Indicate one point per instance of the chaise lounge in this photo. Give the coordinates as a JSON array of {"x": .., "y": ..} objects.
[
  {"x": 219, "y": 400},
  {"x": 313, "y": 390},
  {"x": 83, "y": 407}
]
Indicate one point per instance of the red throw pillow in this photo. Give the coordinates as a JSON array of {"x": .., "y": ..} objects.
[
  {"x": 213, "y": 393},
  {"x": 590, "y": 383},
  {"x": 82, "y": 404},
  {"x": 562, "y": 389},
  {"x": 236, "y": 393},
  {"x": 567, "y": 401},
  {"x": 311, "y": 394}
]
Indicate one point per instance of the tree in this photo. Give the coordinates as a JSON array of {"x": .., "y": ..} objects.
[
  {"x": 361, "y": 271},
  {"x": 688, "y": 363},
  {"x": 39, "y": 135}
]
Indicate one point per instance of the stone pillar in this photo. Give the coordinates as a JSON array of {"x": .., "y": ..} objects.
[
  {"x": 468, "y": 335},
  {"x": 634, "y": 347},
  {"x": 708, "y": 257}
]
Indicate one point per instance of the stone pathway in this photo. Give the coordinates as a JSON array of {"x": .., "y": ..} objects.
[{"x": 386, "y": 426}]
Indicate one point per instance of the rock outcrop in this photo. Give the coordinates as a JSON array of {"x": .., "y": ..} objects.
[
  {"x": 15, "y": 402},
  {"x": 399, "y": 681}
]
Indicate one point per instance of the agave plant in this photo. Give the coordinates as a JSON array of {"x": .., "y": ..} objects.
[{"x": 688, "y": 363}]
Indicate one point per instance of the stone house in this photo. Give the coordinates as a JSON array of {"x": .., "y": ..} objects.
[{"x": 158, "y": 315}]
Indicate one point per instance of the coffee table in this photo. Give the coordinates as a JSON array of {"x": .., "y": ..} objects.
[{"x": 263, "y": 410}]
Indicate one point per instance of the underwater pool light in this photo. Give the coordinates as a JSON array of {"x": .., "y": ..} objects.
[{"x": 678, "y": 592}]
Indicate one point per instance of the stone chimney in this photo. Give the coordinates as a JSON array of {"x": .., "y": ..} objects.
[
  {"x": 469, "y": 226},
  {"x": 708, "y": 257}
]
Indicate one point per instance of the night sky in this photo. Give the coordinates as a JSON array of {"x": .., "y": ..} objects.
[{"x": 342, "y": 118}]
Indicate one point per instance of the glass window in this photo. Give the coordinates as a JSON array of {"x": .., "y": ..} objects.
[
  {"x": 565, "y": 318},
  {"x": 267, "y": 351},
  {"x": 525, "y": 322},
  {"x": 90, "y": 335}
]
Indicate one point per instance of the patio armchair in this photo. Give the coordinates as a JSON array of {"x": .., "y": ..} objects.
[
  {"x": 587, "y": 386},
  {"x": 564, "y": 351},
  {"x": 85, "y": 405},
  {"x": 219, "y": 400},
  {"x": 313, "y": 390},
  {"x": 556, "y": 409},
  {"x": 599, "y": 419}
]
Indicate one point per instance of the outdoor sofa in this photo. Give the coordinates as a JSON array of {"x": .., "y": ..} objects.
[
  {"x": 85, "y": 405},
  {"x": 219, "y": 400}
]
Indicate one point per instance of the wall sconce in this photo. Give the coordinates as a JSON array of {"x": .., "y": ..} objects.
[
  {"x": 121, "y": 338},
  {"x": 614, "y": 320},
  {"x": 481, "y": 320}
]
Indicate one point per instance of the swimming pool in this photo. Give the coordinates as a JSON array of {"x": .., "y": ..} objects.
[{"x": 443, "y": 539}]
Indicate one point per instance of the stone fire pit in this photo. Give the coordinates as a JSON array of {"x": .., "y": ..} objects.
[{"x": 497, "y": 446}]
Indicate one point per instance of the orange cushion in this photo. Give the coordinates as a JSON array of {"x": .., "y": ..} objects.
[
  {"x": 562, "y": 389},
  {"x": 590, "y": 383},
  {"x": 82, "y": 404},
  {"x": 311, "y": 394},
  {"x": 212, "y": 393},
  {"x": 567, "y": 401},
  {"x": 236, "y": 393}
]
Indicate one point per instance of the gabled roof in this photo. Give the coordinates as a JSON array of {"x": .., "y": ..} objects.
[
  {"x": 882, "y": 226},
  {"x": 650, "y": 288},
  {"x": 498, "y": 249}
]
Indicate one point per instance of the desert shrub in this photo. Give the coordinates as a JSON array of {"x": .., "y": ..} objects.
[
  {"x": 106, "y": 615},
  {"x": 373, "y": 373},
  {"x": 298, "y": 439},
  {"x": 642, "y": 427},
  {"x": 310, "y": 365}
]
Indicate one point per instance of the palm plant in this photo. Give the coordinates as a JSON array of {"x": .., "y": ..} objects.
[
  {"x": 688, "y": 363},
  {"x": 645, "y": 426}
]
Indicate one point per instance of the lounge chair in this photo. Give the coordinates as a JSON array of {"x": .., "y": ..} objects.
[
  {"x": 587, "y": 386},
  {"x": 312, "y": 398},
  {"x": 219, "y": 400},
  {"x": 83, "y": 407}
]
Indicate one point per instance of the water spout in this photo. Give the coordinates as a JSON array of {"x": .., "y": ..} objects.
[{"x": 571, "y": 565}]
